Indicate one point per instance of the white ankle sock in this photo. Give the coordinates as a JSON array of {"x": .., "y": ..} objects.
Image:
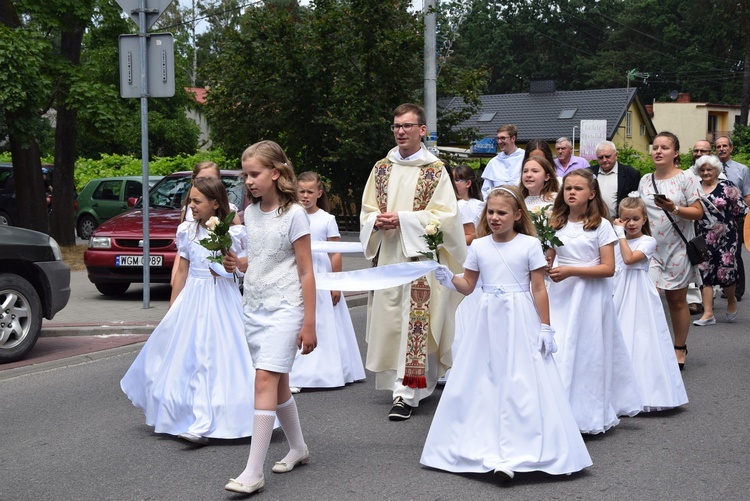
[
  {"x": 289, "y": 419},
  {"x": 263, "y": 422}
]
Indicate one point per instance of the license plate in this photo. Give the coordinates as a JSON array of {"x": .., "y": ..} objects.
[{"x": 137, "y": 260}]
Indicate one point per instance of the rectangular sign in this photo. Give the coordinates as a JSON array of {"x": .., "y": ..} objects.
[
  {"x": 160, "y": 66},
  {"x": 593, "y": 132}
]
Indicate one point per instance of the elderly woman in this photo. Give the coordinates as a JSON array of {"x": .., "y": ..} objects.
[
  {"x": 723, "y": 204},
  {"x": 670, "y": 268}
]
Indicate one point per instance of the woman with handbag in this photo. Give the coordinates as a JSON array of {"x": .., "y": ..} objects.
[
  {"x": 723, "y": 204},
  {"x": 672, "y": 201}
]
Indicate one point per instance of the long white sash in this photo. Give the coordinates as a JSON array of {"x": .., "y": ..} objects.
[
  {"x": 382, "y": 277},
  {"x": 342, "y": 247}
]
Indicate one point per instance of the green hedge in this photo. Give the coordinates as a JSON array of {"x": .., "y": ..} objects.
[{"x": 125, "y": 165}]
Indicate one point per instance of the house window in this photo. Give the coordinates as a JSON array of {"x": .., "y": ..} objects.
[
  {"x": 643, "y": 129},
  {"x": 486, "y": 117},
  {"x": 567, "y": 114},
  {"x": 629, "y": 124}
]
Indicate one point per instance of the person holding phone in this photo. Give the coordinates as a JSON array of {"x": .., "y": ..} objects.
[{"x": 672, "y": 190}]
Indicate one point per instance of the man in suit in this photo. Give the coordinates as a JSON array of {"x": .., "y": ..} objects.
[{"x": 616, "y": 180}]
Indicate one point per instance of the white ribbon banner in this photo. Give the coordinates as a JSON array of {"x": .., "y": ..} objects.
[
  {"x": 382, "y": 277},
  {"x": 340, "y": 247}
]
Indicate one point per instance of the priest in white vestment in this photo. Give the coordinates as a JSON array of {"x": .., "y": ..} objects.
[{"x": 410, "y": 328}]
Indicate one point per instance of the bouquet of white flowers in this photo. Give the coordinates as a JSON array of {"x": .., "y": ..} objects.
[
  {"x": 540, "y": 216},
  {"x": 219, "y": 241}
]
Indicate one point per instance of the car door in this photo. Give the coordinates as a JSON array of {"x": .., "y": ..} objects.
[{"x": 108, "y": 199}]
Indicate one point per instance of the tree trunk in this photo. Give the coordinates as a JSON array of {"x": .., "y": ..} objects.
[
  {"x": 746, "y": 74},
  {"x": 27, "y": 174},
  {"x": 66, "y": 134}
]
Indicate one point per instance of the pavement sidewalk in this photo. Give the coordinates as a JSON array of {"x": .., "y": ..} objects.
[{"x": 92, "y": 322}]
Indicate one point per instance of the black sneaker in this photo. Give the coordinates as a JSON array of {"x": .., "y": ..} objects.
[{"x": 400, "y": 411}]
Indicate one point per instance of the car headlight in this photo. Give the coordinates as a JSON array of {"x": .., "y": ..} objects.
[
  {"x": 100, "y": 243},
  {"x": 55, "y": 249}
]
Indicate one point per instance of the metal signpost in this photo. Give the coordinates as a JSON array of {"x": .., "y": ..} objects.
[{"x": 161, "y": 84}]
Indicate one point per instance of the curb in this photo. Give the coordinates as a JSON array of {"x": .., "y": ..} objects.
[{"x": 91, "y": 329}]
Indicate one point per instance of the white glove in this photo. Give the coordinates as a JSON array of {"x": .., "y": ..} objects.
[
  {"x": 619, "y": 231},
  {"x": 546, "y": 341},
  {"x": 445, "y": 277}
]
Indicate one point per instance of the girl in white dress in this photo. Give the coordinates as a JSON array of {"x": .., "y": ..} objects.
[
  {"x": 337, "y": 360},
  {"x": 279, "y": 301},
  {"x": 641, "y": 315},
  {"x": 539, "y": 184},
  {"x": 504, "y": 409},
  {"x": 594, "y": 364},
  {"x": 201, "y": 169},
  {"x": 470, "y": 206},
  {"x": 194, "y": 376}
]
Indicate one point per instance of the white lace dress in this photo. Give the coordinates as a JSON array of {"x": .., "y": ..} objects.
[
  {"x": 504, "y": 404},
  {"x": 336, "y": 360},
  {"x": 194, "y": 374},
  {"x": 645, "y": 330},
  {"x": 594, "y": 364},
  {"x": 273, "y": 291}
]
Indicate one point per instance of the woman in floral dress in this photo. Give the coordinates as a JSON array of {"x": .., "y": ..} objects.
[
  {"x": 723, "y": 203},
  {"x": 670, "y": 268}
]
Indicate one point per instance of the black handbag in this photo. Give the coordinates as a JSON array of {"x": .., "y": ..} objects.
[{"x": 697, "y": 250}]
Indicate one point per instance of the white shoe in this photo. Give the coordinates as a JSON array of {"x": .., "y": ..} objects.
[
  {"x": 282, "y": 467},
  {"x": 193, "y": 438},
  {"x": 708, "y": 321},
  {"x": 295, "y": 389},
  {"x": 504, "y": 473},
  {"x": 236, "y": 486}
]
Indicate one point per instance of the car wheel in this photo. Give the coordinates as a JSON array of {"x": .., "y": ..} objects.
[
  {"x": 86, "y": 226},
  {"x": 20, "y": 317},
  {"x": 5, "y": 219},
  {"x": 113, "y": 289}
]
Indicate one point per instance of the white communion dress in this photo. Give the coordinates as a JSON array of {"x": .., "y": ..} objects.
[
  {"x": 504, "y": 405},
  {"x": 336, "y": 360},
  {"x": 195, "y": 374},
  {"x": 594, "y": 364},
  {"x": 645, "y": 330}
]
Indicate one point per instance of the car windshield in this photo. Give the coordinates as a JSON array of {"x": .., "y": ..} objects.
[{"x": 170, "y": 192}]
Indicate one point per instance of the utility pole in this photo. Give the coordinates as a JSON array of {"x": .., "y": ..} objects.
[{"x": 430, "y": 73}]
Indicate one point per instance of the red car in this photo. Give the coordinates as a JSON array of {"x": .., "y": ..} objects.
[{"x": 114, "y": 258}]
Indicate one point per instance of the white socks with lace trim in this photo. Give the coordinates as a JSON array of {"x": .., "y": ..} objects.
[
  {"x": 289, "y": 419},
  {"x": 263, "y": 422}
]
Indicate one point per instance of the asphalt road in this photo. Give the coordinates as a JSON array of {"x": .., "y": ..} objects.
[{"x": 69, "y": 433}]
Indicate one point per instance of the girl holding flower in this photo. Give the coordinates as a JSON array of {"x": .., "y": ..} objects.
[
  {"x": 594, "y": 365},
  {"x": 194, "y": 376},
  {"x": 503, "y": 409}
]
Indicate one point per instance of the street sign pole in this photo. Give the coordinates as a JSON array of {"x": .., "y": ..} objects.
[
  {"x": 164, "y": 87},
  {"x": 144, "y": 154}
]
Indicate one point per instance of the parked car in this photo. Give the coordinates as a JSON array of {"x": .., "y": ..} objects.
[
  {"x": 7, "y": 195},
  {"x": 106, "y": 197},
  {"x": 34, "y": 283},
  {"x": 8, "y": 209},
  {"x": 114, "y": 258}
]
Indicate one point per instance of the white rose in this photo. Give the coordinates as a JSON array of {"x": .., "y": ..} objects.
[
  {"x": 212, "y": 222},
  {"x": 548, "y": 212},
  {"x": 536, "y": 210},
  {"x": 430, "y": 229},
  {"x": 435, "y": 223}
]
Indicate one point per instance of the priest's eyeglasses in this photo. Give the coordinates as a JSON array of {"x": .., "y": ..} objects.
[{"x": 406, "y": 127}]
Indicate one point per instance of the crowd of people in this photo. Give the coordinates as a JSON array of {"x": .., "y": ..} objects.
[{"x": 545, "y": 341}]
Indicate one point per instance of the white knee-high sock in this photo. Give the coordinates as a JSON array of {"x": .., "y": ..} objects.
[
  {"x": 289, "y": 419},
  {"x": 263, "y": 422}
]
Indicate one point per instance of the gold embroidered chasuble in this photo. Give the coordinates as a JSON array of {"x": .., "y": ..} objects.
[{"x": 406, "y": 323}]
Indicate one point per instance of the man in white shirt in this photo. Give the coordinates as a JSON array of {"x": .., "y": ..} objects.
[
  {"x": 505, "y": 168},
  {"x": 566, "y": 161},
  {"x": 615, "y": 180}
]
